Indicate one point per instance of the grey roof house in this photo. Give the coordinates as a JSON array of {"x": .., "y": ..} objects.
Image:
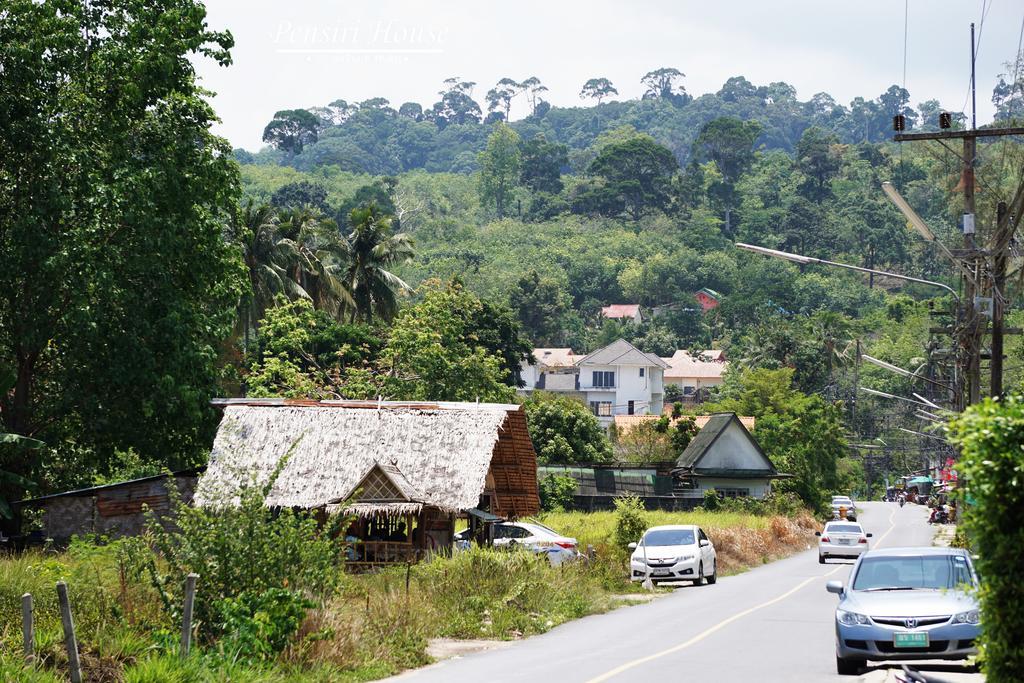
[{"x": 725, "y": 457}]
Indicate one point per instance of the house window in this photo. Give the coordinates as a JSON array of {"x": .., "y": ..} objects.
[
  {"x": 601, "y": 408},
  {"x": 604, "y": 379},
  {"x": 689, "y": 391},
  {"x": 632, "y": 407},
  {"x": 732, "y": 493},
  {"x": 642, "y": 371}
]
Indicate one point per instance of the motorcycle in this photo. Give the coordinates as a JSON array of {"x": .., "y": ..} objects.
[
  {"x": 939, "y": 516},
  {"x": 903, "y": 501}
]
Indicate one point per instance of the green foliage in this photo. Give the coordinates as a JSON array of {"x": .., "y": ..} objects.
[
  {"x": 630, "y": 521},
  {"x": 711, "y": 500},
  {"x": 500, "y": 165},
  {"x": 291, "y": 130},
  {"x": 563, "y": 430},
  {"x": 258, "y": 626},
  {"x": 542, "y": 307},
  {"x": 432, "y": 353},
  {"x": 116, "y": 277},
  {"x": 637, "y": 175},
  {"x": 556, "y": 492},
  {"x": 990, "y": 436},
  {"x": 238, "y": 548}
]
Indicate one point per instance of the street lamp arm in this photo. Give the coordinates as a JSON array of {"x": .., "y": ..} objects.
[{"x": 801, "y": 259}]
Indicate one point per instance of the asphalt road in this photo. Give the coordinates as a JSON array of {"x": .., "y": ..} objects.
[{"x": 773, "y": 623}]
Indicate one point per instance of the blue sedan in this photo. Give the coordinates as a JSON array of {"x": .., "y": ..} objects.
[{"x": 906, "y": 604}]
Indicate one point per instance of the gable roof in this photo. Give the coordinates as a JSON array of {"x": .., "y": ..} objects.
[
  {"x": 706, "y": 438},
  {"x": 623, "y": 423},
  {"x": 435, "y": 454},
  {"x": 621, "y": 352},
  {"x": 683, "y": 364},
  {"x": 555, "y": 358},
  {"x": 706, "y": 291},
  {"x": 621, "y": 311},
  {"x": 383, "y": 485}
]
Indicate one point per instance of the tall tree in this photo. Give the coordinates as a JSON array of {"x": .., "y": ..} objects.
[
  {"x": 117, "y": 285},
  {"x": 499, "y": 98},
  {"x": 542, "y": 163},
  {"x": 321, "y": 258},
  {"x": 456, "y": 106},
  {"x": 541, "y": 305},
  {"x": 292, "y": 129},
  {"x": 373, "y": 251},
  {"x": 300, "y": 193},
  {"x": 598, "y": 89},
  {"x": 269, "y": 258},
  {"x": 817, "y": 156},
  {"x": 664, "y": 84},
  {"x": 500, "y": 164},
  {"x": 638, "y": 173},
  {"x": 729, "y": 143},
  {"x": 534, "y": 90}
]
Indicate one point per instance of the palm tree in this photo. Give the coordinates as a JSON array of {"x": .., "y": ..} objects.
[
  {"x": 373, "y": 250},
  {"x": 269, "y": 258},
  {"x": 323, "y": 257}
]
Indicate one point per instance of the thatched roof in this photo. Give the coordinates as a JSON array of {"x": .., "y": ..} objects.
[{"x": 435, "y": 454}]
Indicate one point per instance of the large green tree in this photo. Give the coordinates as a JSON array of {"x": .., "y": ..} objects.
[
  {"x": 638, "y": 173},
  {"x": 117, "y": 286},
  {"x": 500, "y": 164},
  {"x": 563, "y": 430}
]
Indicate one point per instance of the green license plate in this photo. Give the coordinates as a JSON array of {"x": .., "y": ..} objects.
[{"x": 910, "y": 640}]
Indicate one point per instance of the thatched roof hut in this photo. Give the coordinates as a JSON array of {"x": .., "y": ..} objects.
[{"x": 382, "y": 457}]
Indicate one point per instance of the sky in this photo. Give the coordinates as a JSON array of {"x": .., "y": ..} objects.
[{"x": 303, "y": 53}]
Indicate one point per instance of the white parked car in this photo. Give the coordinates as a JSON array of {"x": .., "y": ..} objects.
[
  {"x": 846, "y": 504},
  {"x": 532, "y": 536},
  {"x": 673, "y": 553},
  {"x": 841, "y": 539}
]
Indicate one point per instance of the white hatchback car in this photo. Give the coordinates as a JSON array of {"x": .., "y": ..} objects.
[
  {"x": 841, "y": 539},
  {"x": 673, "y": 553}
]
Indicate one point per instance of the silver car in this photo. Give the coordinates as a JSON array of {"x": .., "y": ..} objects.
[{"x": 909, "y": 603}]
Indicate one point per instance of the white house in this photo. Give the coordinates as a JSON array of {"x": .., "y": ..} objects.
[
  {"x": 693, "y": 373},
  {"x": 724, "y": 457},
  {"x": 552, "y": 370},
  {"x": 620, "y": 379}
]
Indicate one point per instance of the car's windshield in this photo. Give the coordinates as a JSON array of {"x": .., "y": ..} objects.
[
  {"x": 669, "y": 537},
  {"x": 934, "y": 572},
  {"x": 843, "y": 529}
]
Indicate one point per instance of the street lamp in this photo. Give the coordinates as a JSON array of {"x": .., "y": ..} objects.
[
  {"x": 922, "y": 228},
  {"x": 805, "y": 260}
]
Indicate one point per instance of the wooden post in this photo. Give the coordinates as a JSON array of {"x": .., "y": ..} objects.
[
  {"x": 28, "y": 634},
  {"x": 186, "y": 614},
  {"x": 74, "y": 666}
]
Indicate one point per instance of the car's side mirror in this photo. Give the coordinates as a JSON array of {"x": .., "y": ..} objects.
[
  {"x": 632, "y": 546},
  {"x": 817, "y": 533},
  {"x": 704, "y": 543},
  {"x": 835, "y": 587},
  {"x": 869, "y": 535}
]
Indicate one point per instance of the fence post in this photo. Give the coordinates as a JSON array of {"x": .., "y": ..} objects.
[
  {"x": 74, "y": 666},
  {"x": 186, "y": 614},
  {"x": 28, "y": 634}
]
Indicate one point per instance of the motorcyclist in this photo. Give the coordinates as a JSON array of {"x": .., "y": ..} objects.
[{"x": 902, "y": 500}]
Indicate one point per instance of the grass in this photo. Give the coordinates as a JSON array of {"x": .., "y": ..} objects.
[{"x": 369, "y": 627}]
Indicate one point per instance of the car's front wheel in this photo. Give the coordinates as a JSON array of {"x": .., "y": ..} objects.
[
  {"x": 848, "y": 667},
  {"x": 714, "y": 574},
  {"x": 700, "y": 575}
]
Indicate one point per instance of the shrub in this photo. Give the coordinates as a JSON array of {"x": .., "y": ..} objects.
[
  {"x": 711, "y": 500},
  {"x": 990, "y": 436},
  {"x": 243, "y": 549},
  {"x": 257, "y": 626},
  {"x": 556, "y": 492},
  {"x": 630, "y": 521}
]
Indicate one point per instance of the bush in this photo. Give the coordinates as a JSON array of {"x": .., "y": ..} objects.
[
  {"x": 237, "y": 550},
  {"x": 630, "y": 521},
  {"x": 257, "y": 626},
  {"x": 557, "y": 492},
  {"x": 990, "y": 436},
  {"x": 711, "y": 500}
]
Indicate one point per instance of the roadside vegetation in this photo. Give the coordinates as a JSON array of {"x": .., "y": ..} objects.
[{"x": 275, "y": 604}]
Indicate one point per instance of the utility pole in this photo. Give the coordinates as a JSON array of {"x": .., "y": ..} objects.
[
  {"x": 969, "y": 327},
  {"x": 1004, "y": 232}
]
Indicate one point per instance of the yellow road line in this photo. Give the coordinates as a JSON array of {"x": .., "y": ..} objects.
[{"x": 725, "y": 622}]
